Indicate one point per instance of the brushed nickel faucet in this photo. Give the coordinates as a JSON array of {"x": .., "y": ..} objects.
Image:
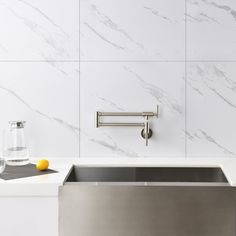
[{"x": 146, "y": 132}]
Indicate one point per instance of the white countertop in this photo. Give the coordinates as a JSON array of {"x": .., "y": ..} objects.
[
  {"x": 42, "y": 185},
  {"x": 48, "y": 185}
]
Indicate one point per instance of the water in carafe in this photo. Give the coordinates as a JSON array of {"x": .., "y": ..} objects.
[{"x": 16, "y": 151}]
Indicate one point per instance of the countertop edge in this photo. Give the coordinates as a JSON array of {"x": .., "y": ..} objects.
[{"x": 48, "y": 185}]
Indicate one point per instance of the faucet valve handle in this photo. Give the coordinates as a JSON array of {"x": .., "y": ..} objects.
[{"x": 146, "y": 132}]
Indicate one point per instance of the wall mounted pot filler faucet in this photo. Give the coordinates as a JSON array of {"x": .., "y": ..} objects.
[{"x": 146, "y": 132}]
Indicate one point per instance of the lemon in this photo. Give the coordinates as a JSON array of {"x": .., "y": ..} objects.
[{"x": 42, "y": 164}]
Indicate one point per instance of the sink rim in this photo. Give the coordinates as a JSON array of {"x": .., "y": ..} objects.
[{"x": 148, "y": 183}]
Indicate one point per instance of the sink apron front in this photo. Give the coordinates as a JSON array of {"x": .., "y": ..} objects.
[{"x": 89, "y": 209}]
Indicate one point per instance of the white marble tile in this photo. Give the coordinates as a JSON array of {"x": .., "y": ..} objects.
[
  {"x": 132, "y": 30},
  {"x": 46, "y": 95},
  {"x": 211, "y": 109},
  {"x": 211, "y": 30},
  {"x": 133, "y": 86},
  {"x": 39, "y": 29}
]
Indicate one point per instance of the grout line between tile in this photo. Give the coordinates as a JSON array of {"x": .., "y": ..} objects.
[
  {"x": 154, "y": 61},
  {"x": 74, "y": 64},
  {"x": 144, "y": 61},
  {"x": 79, "y": 86},
  {"x": 132, "y": 60},
  {"x": 210, "y": 61},
  {"x": 38, "y": 61},
  {"x": 185, "y": 75}
]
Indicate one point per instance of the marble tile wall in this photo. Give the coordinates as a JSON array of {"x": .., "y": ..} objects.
[
  {"x": 60, "y": 61},
  {"x": 39, "y": 74}
]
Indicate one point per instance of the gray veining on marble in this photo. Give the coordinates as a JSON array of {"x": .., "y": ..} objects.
[
  {"x": 111, "y": 103},
  {"x": 211, "y": 109},
  {"x": 211, "y": 30},
  {"x": 163, "y": 98},
  {"x": 131, "y": 30},
  {"x": 103, "y": 38},
  {"x": 110, "y": 145},
  {"x": 61, "y": 122},
  {"x": 52, "y": 125},
  {"x": 44, "y": 16},
  {"x": 33, "y": 30}
]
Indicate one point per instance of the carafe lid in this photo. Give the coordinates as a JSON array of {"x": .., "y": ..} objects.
[{"x": 18, "y": 124}]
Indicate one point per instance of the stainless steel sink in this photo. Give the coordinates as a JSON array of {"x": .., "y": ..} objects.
[
  {"x": 147, "y": 201},
  {"x": 146, "y": 174}
]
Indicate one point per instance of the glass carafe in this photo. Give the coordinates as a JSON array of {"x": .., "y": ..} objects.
[{"x": 15, "y": 150}]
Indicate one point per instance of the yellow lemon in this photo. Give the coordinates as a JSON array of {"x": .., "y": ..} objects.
[{"x": 42, "y": 164}]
